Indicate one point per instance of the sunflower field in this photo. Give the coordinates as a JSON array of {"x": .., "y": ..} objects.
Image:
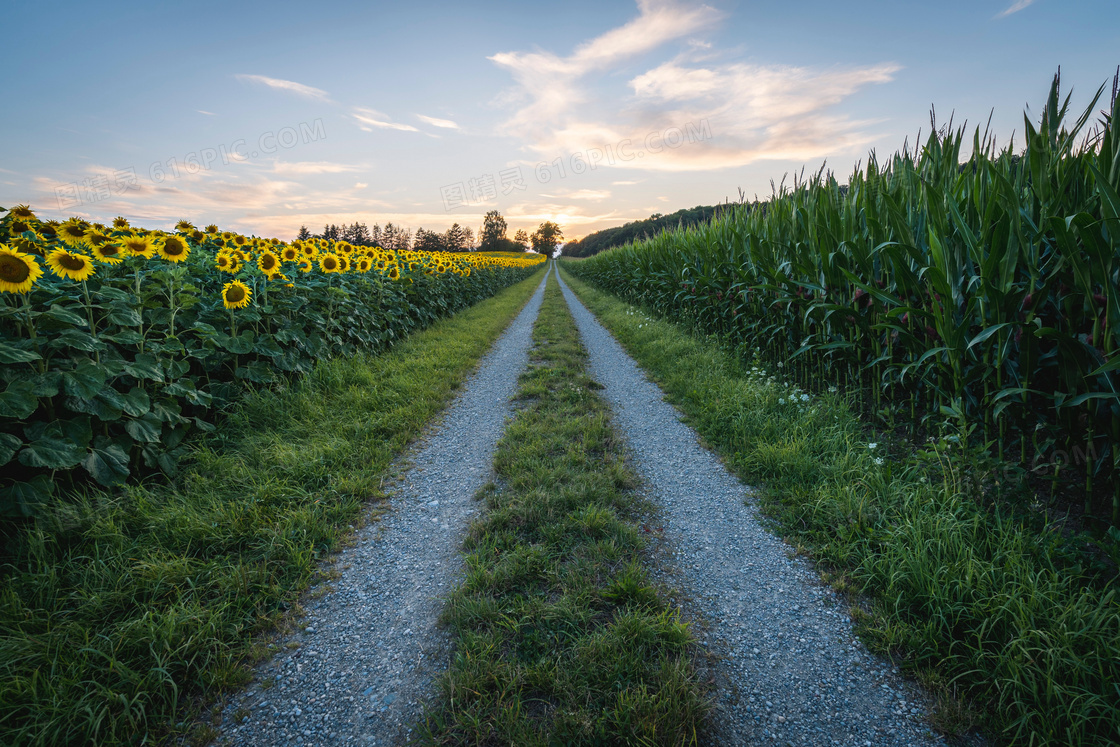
[
  {"x": 117, "y": 342},
  {"x": 957, "y": 289}
]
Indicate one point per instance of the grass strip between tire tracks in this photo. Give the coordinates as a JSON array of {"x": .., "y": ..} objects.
[
  {"x": 118, "y": 606},
  {"x": 983, "y": 607},
  {"x": 561, "y": 637}
]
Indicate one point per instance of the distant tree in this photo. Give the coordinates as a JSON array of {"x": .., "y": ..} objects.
[
  {"x": 389, "y": 237},
  {"x": 304, "y": 234},
  {"x": 572, "y": 248},
  {"x": 404, "y": 240},
  {"x": 522, "y": 239},
  {"x": 456, "y": 238},
  {"x": 331, "y": 232},
  {"x": 493, "y": 231},
  {"x": 428, "y": 241},
  {"x": 545, "y": 238},
  {"x": 375, "y": 235},
  {"x": 468, "y": 239},
  {"x": 357, "y": 234}
]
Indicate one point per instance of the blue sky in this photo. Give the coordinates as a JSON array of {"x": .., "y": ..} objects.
[{"x": 261, "y": 117}]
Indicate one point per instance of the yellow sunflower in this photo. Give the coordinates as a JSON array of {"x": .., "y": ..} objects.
[
  {"x": 290, "y": 254},
  {"x": 197, "y": 235},
  {"x": 173, "y": 249},
  {"x": 109, "y": 252},
  {"x": 138, "y": 246},
  {"x": 395, "y": 273},
  {"x": 211, "y": 229},
  {"x": 268, "y": 262},
  {"x": 183, "y": 226},
  {"x": 240, "y": 240},
  {"x": 310, "y": 250},
  {"x": 18, "y": 226},
  {"x": 227, "y": 263},
  {"x": 18, "y": 271},
  {"x": 343, "y": 263},
  {"x": 120, "y": 223},
  {"x": 328, "y": 262},
  {"x": 363, "y": 264},
  {"x": 70, "y": 265},
  {"x": 22, "y": 212},
  {"x": 72, "y": 233},
  {"x": 236, "y": 295},
  {"x": 305, "y": 265}
]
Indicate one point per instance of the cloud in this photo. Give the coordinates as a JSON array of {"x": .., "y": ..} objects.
[
  {"x": 582, "y": 194},
  {"x": 286, "y": 85},
  {"x": 369, "y": 118},
  {"x": 203, "y": 111},
  {"x": 686, "y": 112},
  {"x": 300, "y": 168},
  {"x": 623, "y": 183},
  {"x": 1015, "y": 7},
  {"x": 361, "y": 185},
  {"x": 447, "y": 124}
]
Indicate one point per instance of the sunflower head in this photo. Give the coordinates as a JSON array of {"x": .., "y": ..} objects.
[
  {"x": 363, "y": 264},
  {"x": 183, "y": 226},
  {"x": 268, "y": 262},
  {"x": 173, "y": 249},
  {"x": 21, "y": 212},
  {"x": 72, "y": 233},
  {"x": 19, "y": 226},
  {"x": 343, "y": 263},
  {"x": 328, "y": 262},
  {"x": 109, "y": 252},
  {"x": 211, "y": 229},
  {"x": 310, "y": 250},
  {"x": 70, "y": 265},
  {"x": 395, "y": 273},
  {"x": 236, "y": 295},
  {"x": 197, "y": 236},
  {"x": 290, "y": 254},
  {"x": 120, "y": 223},
  {"x": 18, "y": 271},
  {"x": 304, "y": 265},
  {"x": 138, "y": 246},
  {"x": 240, "y": 240}
]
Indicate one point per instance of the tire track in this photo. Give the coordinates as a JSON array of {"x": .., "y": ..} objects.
[
  {"x": 787, "y": 666},
  {"x": 366, "y": 660}
]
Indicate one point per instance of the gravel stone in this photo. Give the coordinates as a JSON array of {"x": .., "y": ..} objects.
[
  {"x": 786, "y": 664},
  {"x": 361, "y": 670}
]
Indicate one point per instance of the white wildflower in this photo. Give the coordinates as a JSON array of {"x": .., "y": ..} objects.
[{"x": 872, "y": 445}]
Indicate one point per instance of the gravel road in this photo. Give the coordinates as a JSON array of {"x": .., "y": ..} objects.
[
  {"x": 360, "y": 670},
  {"x": 786, "y": 665}
]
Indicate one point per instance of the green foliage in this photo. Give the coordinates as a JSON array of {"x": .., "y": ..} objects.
[
  {"x": 561, "y": 637},
  {"x": 1018, "y": 616},
  {"x": 122, "y": 610},
  {"x": 986, "y": 292}
]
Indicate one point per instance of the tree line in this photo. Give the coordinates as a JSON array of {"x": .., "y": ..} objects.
[
  {"x": 593, "y": 243},
  {"x": 491, "y": 237}
]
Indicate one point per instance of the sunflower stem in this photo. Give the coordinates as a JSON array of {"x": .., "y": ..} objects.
[{"x": 89, "y": 316}]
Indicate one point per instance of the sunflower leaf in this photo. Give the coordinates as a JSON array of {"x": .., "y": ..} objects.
[
  {"x": 12, "y": 354},
  {"x": 51, "y": 453},
  {"x": 107, "y": 463},
  {"x": 9, "y": 445}
]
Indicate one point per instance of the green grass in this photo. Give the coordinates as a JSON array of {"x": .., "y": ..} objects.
[
  {"x": 986, "y": 608},
  {"x": 560, "y": 636},
  {"x": 119, "y": 610}
]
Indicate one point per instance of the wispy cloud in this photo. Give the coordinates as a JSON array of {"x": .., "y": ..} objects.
[
  {"x": 369, "y": 119},
  {"x": 286, "y": 85},
  {"x": 747, "y": 112},
  {"x": 203, "y": 111},
  {"x": 1015, "y": 7},
  {"x": 446, "y": 124},
  {"x": 299, "y": 168},
  {"x": 581, "y": 194}
]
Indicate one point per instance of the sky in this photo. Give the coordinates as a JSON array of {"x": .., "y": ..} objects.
[{"x": 262, "y": 117}]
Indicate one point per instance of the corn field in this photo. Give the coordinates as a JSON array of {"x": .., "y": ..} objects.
[{"x": 958, "y": 285}]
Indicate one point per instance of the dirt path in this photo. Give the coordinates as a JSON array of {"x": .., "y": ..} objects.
[
  {"x": 786, "y": 665},
  {"x": 360, "y": 670}
]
